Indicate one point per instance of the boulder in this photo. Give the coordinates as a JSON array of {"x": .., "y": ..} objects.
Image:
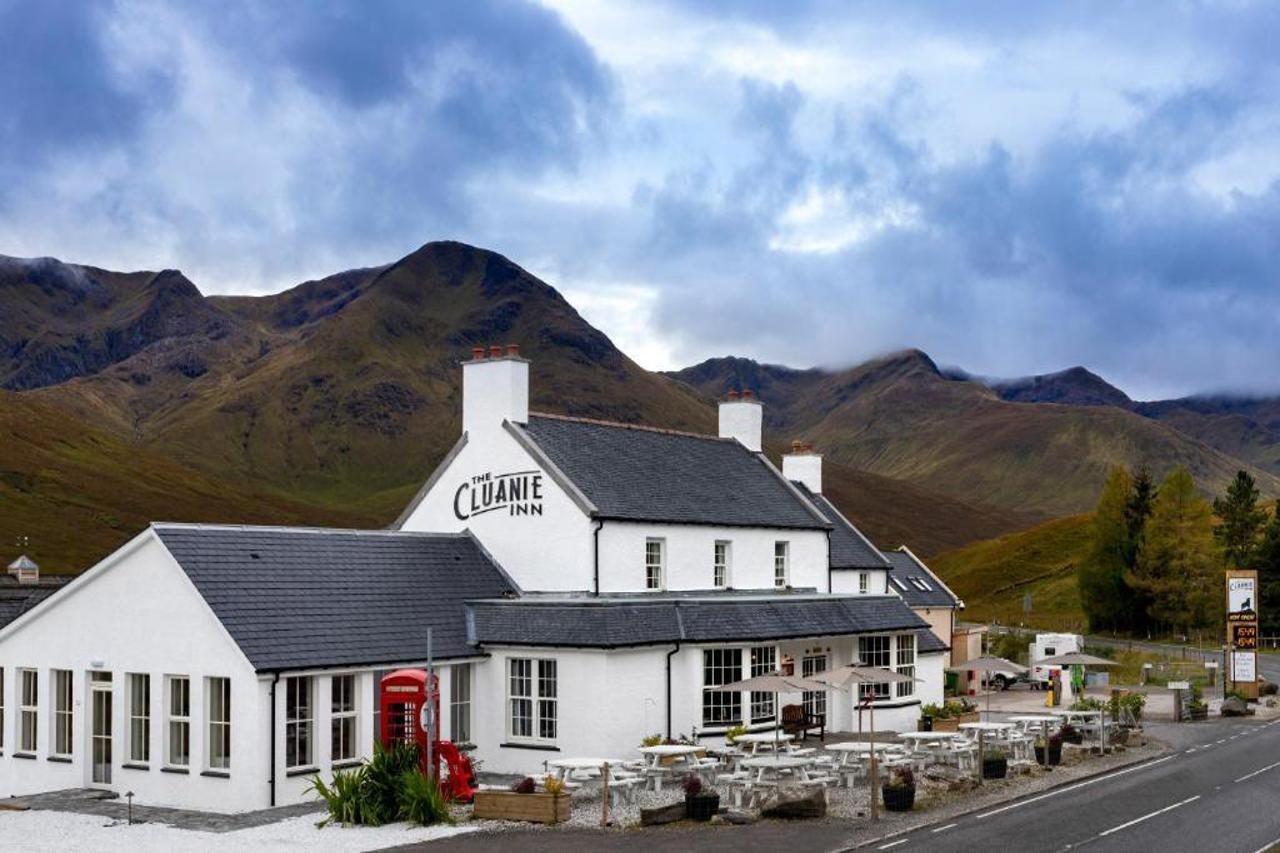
[
  {"x": 662, "y": 814},
  {"x": 1268, "y": 688},
  {"x": 795, "y": 805},
  {"x": 737, "y": 816},
  {"x": 1235, "y": 707}
]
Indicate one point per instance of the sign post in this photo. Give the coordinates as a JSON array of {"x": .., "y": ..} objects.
[{"x": 1242, "y": 631}]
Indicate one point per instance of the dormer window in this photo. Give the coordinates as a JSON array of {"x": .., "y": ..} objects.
[
  {"x": 781, "y": 564},
  {"x": 720, "y": 564},
  {"x": 654, "y": 573}
]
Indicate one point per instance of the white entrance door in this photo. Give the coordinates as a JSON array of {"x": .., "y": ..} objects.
[{"x": 100, "y": 728}]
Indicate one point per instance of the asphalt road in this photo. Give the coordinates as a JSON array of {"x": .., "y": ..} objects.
[{"x": 1218, "y": 792}]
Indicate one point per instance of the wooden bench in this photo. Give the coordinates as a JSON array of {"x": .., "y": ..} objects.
[{"x": 798, "y": 723}]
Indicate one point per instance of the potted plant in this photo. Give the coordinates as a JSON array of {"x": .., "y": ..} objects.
[
  {"x": 699, "y": 804},
  {"x": 899, "y": 790},
  {"x": 1053, "y": 744},
  {"x": 1070, "y": 734},
  {"x": 995, "y": 765},
  {"x": 732, "y": 734},
  {"x": 525, "y": 802}
]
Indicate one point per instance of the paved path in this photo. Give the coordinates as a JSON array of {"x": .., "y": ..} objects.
[{"x": 1217, "y": 792}]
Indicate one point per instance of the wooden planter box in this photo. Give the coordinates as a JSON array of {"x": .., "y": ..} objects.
[
  {"x": 952, "y": 724},
  {"x": 508, "y": 805}
]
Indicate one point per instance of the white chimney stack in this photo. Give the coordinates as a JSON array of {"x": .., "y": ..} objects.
[
  {"x": 495, "y": 388},
  {"x": 803, "y": 465},
  {"x": 742, "y": 417}
]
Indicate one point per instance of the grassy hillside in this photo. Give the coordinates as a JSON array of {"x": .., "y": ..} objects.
[
  {"x": 993, "y": 576},
  {"x": 78, "y": 491}
]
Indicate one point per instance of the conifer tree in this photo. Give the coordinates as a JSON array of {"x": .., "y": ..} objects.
[
  {"x": 1179, "y": 564},
  {"x": 1241, "y": 521},
  {"x": 1267, "y": 561},
  {"x": 1100, "y": 576}
]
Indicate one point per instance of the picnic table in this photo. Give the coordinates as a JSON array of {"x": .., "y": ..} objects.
[
  {"x": 755, "y": 740},
  {"x": 683, "y": 754},
  {"x": 982, "y": 729},
  {"x": 851, "y": 751},
  {"x": 770, "y": 770},
  {"x": 1091, "y": 720},
  {"x": 1043, "y": 721}
]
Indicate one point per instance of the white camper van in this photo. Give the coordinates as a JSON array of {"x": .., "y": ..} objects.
[{"x": 1047, "y": 646}]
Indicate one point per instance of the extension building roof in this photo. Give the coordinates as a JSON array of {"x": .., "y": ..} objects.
[
  {"x": 637, "y": 473},
  {"x": 918, "y": 586},
  {"x": 711, "y": 617},
  {"x": 295, "y": 598}
]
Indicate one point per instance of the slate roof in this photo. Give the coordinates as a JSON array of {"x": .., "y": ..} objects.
[
  {"x": 907, "y": 574},
  {"x": 849, "y": 548},
  {"x": 295, "y": 598},
  {"x": 612, "y": 622},
  {"x": 16, "y": 598},
  {"x": 927, "y": 641},
  {"x": 642, "y": 474}
]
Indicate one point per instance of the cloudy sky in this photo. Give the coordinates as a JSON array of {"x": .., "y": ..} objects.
[{"x": 1012, "y": 187}]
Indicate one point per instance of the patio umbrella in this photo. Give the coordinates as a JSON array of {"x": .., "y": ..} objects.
[
  {"x": 1083, "y": 660},
  {"x": 988, "y": 665},
  {"x": 846, "y": 676},
  {"x": 775, "y": 683}
]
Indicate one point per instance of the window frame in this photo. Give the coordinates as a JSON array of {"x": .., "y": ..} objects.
[
  {"x": 781, "y": 564},
  {"x": 652, "y": 545},
  {"x": 721, "y": 563},
  {"x": 721, "y": 665},
  {"x": 344, "y": 718},
  {"x": 28, "y": 712},
  {"x": 62, "y": 717},
  {"x": 132, "y": 680},
  {"x": 762, "y": 707},
  {"x": 905, "y": 664},
  {"x": 543, "y": 707},
  {"x": 175, "y": 722},
  {"x": 299, "y": 729},
  {"x": 864, "y": 583},
  {"x": 879, "y": 657},
  {"x": 2, "y": 685},
  {"x": 460, "y": 682},
  {"x": 217, "y": 730}
]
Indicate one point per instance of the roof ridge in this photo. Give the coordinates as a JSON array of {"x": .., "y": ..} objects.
[
  {"x": 637, "y": 427},
  {"x": 284, "y": 528}
]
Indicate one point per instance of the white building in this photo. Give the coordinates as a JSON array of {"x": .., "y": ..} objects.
[{"x": 585, "y": 581}]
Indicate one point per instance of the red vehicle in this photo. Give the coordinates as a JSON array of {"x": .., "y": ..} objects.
[{"x": 402, "y": 697}]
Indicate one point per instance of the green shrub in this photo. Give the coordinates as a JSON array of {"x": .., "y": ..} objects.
[
  {"x": 421, "y": 801},
  {"x": 651, "y": 740},
  {"x": 731, "y": 735},
  {"x": 383, "y": 775},
  {"x": 344, "y": 797}
]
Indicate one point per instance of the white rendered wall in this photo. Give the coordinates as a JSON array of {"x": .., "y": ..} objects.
[
  {"x": 138, "y": 614},
  {"x": 804, "y": 468},
  {"x": 551, "y": 551},
  {"x": 690, "y": 550},
  {"x": 494, "y": 390},
  {"x": 845, "y": 581}
]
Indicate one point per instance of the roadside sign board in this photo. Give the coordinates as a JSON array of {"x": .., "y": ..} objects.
[
  {"x": 1242, "y": 631},
  {"x": 1179, "y": 685}
]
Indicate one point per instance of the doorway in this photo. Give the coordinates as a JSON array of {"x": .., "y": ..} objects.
[{"x": 100, "y": 729}]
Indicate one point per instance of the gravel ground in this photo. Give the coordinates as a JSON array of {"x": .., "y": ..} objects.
[
  {"x": 935, "y": 799},
  {"x": 59, "y": 831}
]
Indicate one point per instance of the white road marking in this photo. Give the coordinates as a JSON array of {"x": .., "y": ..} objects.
[
  {"x": 892, "y": 844},
  {"x": 1264, "y": 848},
  {"x": 1259, "y": 772},
  {"x": 941, "y": 828},
  {"x": 1074, "y": 787},
  {"x": 1138, "y": 820}
]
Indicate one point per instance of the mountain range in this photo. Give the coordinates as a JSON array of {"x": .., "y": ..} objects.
[{"x": 131, "y": 397}]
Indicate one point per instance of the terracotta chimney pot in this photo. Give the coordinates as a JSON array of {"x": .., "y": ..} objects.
[
  {"x": 495, "y": 351},
  {"x": 513, "y": 349},
  {"x": 733, "y": 395},
  {"x": 477, "y": 353}
]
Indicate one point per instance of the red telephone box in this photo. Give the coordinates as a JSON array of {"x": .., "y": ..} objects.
[{"x": 401, "y": 699}]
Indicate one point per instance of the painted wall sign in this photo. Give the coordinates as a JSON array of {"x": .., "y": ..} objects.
[
  {"x": 514, "y": 493},
  {"x": 1242, "y": 599}
]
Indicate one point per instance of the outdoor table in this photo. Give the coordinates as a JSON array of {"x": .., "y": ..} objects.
[
  {"x": 567, "y": 766},
  {"x": 654, "y": 754},
  {"x": 769, "y": 768},
  {"x": 1044, "y": 721},
  {"x": 851, "y": 749},
  {"x": 757, "y": 739},
  {"x": 921, "y": 741},
  {"x": 982, "y": 729},
  {"x": 1086, "y": 718}
]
